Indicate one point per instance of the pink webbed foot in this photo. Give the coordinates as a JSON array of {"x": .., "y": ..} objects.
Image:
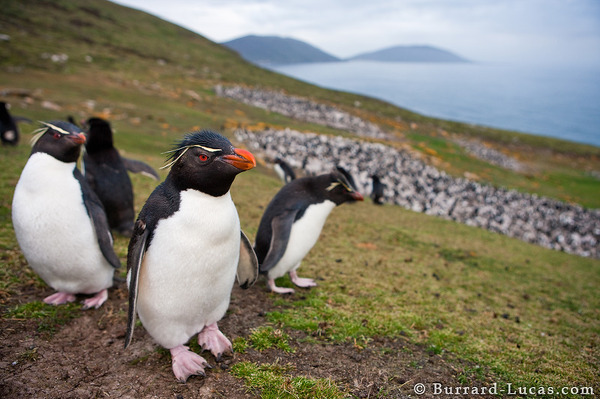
[
  {"x": 302, "y": 282},
  {"x": 186, "y": 363},
  {"x": 213, "y": 340},
  {"x": 59, "y": 298},
  {"x": 96, "y": 301},
  {"x": 279, "y": 290}
]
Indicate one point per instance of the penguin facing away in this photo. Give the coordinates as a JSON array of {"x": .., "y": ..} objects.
[
  {"x": 378, "y": 190},
  {"x": 59, "y": 221},
  {"x": 284, "y": 170},
  {"x": 106, "y": 172},
  {"x": 293, "y": 221},
  {"x": 187, "y": 249},
  {"x": 9, "y": 131}
]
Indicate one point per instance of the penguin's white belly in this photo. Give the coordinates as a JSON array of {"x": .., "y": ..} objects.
[
  {"x": 279, "y": 171},
  {"x": 189, "y": 268},
  {"x": 54, "y": 229},
  {"x": 304, "y": 235}
]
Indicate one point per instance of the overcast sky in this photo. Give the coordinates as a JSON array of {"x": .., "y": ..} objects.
[{"x": 512, "y": 31}]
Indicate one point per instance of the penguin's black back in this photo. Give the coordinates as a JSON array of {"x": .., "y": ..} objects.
[
  {"x": 107, "y": 175},
  {"x": 378, "y": 190},
  {"x": 9, "y": 133}
]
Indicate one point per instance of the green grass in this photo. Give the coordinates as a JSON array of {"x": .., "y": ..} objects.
[
  {"x": 495, "y": 301},
  {"x": 49, "y": 317},
  {"x": 272, "y": 381}
]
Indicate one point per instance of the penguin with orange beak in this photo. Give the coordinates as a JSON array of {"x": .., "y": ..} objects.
[
  {"x": 187, "y": 249},
  {"x": 59, "y": 221}
]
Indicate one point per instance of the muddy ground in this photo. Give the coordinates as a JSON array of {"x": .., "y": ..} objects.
[{"x": 85, "y": 357}]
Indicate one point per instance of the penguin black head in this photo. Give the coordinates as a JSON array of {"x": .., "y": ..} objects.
[
  {"x": 340, "y": 190},
  {"x": 99, "y": 135},
  {"x": 62, "y": 140},
  {"x": 208, "y": 162}
]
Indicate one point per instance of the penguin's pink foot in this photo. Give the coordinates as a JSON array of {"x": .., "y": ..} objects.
[
  {"x": 96, "y": 301},
  {"x": 302, "y": 282},
  {"x": 213, "y": 340},
  {"x": 279, "y": 290},
  {"x": 59, "y": 298},
  {"x": 186, "y": 363}
]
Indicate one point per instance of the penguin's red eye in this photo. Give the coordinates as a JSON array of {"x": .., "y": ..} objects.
[
  {"x": 203, "y": 157},
  {"x": 56, "y": 135}
]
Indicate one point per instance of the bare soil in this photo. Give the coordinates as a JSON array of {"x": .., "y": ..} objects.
[{"x": 85, "y": 357}]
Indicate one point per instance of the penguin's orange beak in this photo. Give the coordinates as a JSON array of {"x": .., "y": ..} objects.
[
  {"x": 356, "y": 196},
  {"x": 78, "y": 138},
  {"x": 242, "y": 159}
]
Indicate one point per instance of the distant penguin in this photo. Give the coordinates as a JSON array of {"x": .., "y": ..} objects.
[
  {"x": 106, "y": 172},
  {"x": 284, "y": 170},
  {"x": 9, "y": 131},
  {"x": 186, "y": 250},
  {"x": 293, "y": 221},
  {"x": 59, "y": 221},
  {"x": 378, "y": 190}
]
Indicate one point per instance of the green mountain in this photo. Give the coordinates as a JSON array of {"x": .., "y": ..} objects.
[
  {"x": 411, "y": 54},
  {"x": 274, "y": 50}
]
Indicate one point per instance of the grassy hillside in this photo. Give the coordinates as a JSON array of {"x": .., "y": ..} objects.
[{"x": 514, "y": 312}]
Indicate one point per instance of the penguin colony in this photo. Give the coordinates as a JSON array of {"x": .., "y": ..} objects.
[{"x": 186, "y": 247}]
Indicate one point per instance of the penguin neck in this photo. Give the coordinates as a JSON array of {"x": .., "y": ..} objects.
[{"x": 204, "y": 184}]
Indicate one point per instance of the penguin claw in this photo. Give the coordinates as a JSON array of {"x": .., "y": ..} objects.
[
  {"x": 59, "y": 298},
  {"x": 279, "y": 290},
  {"x": 96, "y": 301},
  {"x": 213, "y": 340},
  {"x": 186, "y": 363}
]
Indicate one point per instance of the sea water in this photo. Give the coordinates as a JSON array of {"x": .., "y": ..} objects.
[{"x": 548, "y": 100}]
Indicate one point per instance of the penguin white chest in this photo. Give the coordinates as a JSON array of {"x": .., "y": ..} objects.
[
  {"x": 303, "y": 236},
  {"x": 189, "y": 268},
  {"x": 54, "y": 229}
]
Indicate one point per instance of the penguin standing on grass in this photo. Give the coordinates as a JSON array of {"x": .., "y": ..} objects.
[
  {"x": 59, "y": 221},
  {"x": 106, "y": 172},
  {"x": 186, "y": 250},
  {"x": 284, "y": 170},
  {"x": 378, "y": 190},
  {"x": 293, "y": 221},
  {"x": 9, "y": 131}
]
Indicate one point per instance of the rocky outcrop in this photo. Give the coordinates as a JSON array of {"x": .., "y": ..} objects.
[
  {"x": 302, "y": 109},
  {"x": 481, "y": 151},
  {"x": 422, "y": 188}
]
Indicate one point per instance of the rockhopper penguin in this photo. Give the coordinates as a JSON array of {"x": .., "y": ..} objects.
[
  {"x": 106, "y": 172},
  {"x": 284, "y": 170},
  {"x": 59, "y": 222},
  {"x": 293, "y": 221},
  {"x": 186, "y": 250},
  {"x": 9, "y": 131}
]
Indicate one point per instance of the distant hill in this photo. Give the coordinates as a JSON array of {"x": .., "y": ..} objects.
[
  {"x": 411, "y": 54},
  {"x": 265, "y": 50}
]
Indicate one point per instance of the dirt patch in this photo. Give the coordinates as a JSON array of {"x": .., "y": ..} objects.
[{"x": 85, "y": 358}]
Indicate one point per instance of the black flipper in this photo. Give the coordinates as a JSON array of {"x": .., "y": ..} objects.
[
  {"x": 135, "y": 166},
  {"x": 97, "y": 214},
  {"x": 135, "y": 255},
  {"x": 247, "y": 271},
  {"x": 281, "y": 226}
]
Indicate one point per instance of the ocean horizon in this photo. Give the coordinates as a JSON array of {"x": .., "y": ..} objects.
[{"x": 553, "y": 101}]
